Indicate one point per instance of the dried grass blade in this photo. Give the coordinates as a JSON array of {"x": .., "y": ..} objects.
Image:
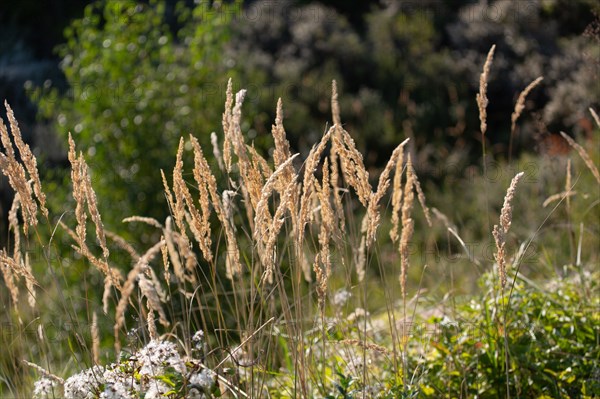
[{"x": 584, "y": 155}]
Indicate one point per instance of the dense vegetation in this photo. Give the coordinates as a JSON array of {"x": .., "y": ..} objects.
[
  {"x": 285, "y": 255},
  {"x": 161, "y": 68}
]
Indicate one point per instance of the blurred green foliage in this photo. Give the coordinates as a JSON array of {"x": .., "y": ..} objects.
[{"x": 136, "y": 86}]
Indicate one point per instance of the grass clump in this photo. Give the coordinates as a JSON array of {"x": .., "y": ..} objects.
[{"x": 270, "y": 278}]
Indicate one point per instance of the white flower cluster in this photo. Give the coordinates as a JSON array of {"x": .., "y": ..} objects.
[
  {"x": 85, "y": 384},
  {"x": 159, "y": 355},
  {"x": 341, "y": 297},
  {"x": 203, "y": 380},
  {"x": 45, "y": 388},
  {"x": 133, "y": 378}
]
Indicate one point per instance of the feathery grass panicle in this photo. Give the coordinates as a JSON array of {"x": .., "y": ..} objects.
[
  {"x": 421, "y": 198},
  {"x": 397, "y": 193},
  {"x": 6, "y": 268},
  {"x": 258, "y": 172},
  {"x": 501, "y": 230},
  {"x": 27, "y": 158},
  {"x": 334, "y": 164},
  {"x": 30, "y": 283},
  {"x": 178, "y": 192},
  {"x": 205, "y": 179},
  {"x": 250, "y": 192},
  {"x": 165, "y": 258},
  {"x": 6, "y": 141},
  {"x": 259, "y": 163},
  {"x": 77, "y": 179},
  {"x": 506, "y": 212},
  {"x": 92, "y": 204},
  {"x": 95, "y": 333},
  {"x": 129, "y": 286},
  {"x": 214, "y": 141},
  {"x": 19, "y": 269},
  {"x": 282, "y": 147},
  {"x": 335, "y": 105},
  {"x": 361, "y": 259},
  {"x": 278, "y": 220},
  {"x": 168, "y": 193},
  {"x": 17, "y": 178},
  {"x": 337, "y": 197},
  {"x": 18, "y": 181},
  {"x": 235, "y": 132},
  {"x": 84, "y": 193},
  {"x": 322, "y": 263},
  {"x": 151, "y": 324},
  {"x": 11, "y": 270},
  {"x": 262, "y": 219},
  {"x": 200, "y": 232},
  {"x": 150, "y": 291},
  {"x": 169, "y": 235},
  {"x": 327, "y": 218},
  {"x": 361, "y": 252},
  {"x": 13, "y": 224},
  {"x": 520, "y": 104},
  {"x": 407, "y": 224},
  {"x": 584, "y": 155},
  {"x": 207, "y": 184},
  {"x": 482, "y": 99},
  {"x": 266, "y": 192},
  {"x": 199, "y": 223},
  {"x": 519, "y": 107},
  {"x": 559, "y": 196},
  {"x": 227, "y": 119},
  {"x": 353, "y": 168},
  {"x": 185, "y": 250},
  {"x": 310, "y": 165},
  {"x": 281, "y": 153},
  {"x": 44, "y": 372},
  {"x": 201, "y": 220},
  {"x": 373, "y": 214},
  {"x": 143, "y": 219}
]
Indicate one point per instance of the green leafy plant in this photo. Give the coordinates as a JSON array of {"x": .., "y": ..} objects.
[{"x": 135, "y": 85}]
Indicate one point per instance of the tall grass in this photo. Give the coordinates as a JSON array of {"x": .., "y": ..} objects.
[{"x": 264, "y": 275}]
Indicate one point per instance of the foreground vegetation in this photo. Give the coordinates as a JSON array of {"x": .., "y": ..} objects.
[{"x": 286, "y": 278}]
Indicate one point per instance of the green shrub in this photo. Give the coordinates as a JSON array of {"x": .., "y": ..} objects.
[{"x": 135, "y": 86}]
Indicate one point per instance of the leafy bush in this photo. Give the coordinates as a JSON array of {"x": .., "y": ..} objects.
[
  {"x": 134, "y": 87},
  {"x": 552, "y": 334}
]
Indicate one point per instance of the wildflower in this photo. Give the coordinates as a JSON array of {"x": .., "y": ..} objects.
[
  {"x": 203, "y": 380},
  {"x": 341, "y": 297},
  {"x": 85, "y": 384},
  {"x": 198, "y": 339},
  {"x": 116, "y": 390},
  {"x": 157, "y": 355},
  {"x": 157, "y": 390},
  {"x": 119, "y": 384}
]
